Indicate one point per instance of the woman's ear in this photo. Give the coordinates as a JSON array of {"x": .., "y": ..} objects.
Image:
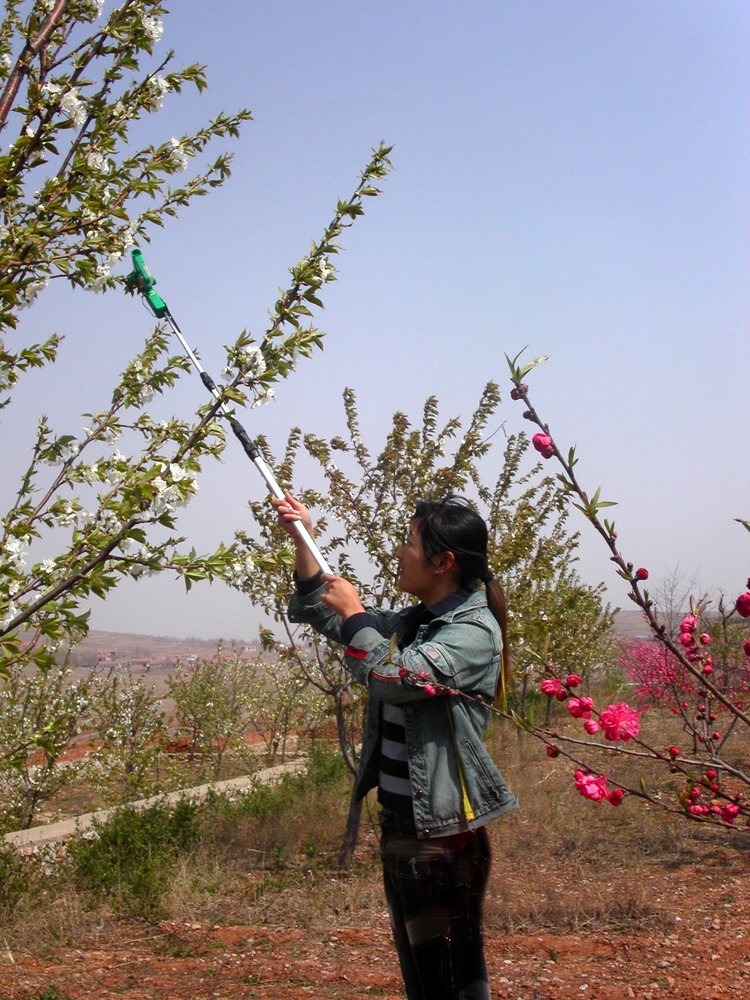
[{"x": 446, "y": 563}]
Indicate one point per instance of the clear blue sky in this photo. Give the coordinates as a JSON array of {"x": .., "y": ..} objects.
[{"x": 568, "y": 175}]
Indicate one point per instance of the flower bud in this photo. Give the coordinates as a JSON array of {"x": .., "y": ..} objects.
[
  {"x": 743, "y": 605},
  {"x": 591, "y": 726},
  {"x": 616, "y": 796},
  {"x": 674, "y": 751},
  {"x": 711, "y": 774},
  {"x": 686, "y": 638},
  {"x": 429, "y": 690},
  {"x": 641, "y": 574},
  {"x": 519, "y": 391},
  {"x": 705, "y": 638},
  {"x": 746, "y": 647},
  {"x": 573, "y": 680},
  {"x": 552, "y": 751},
  {"x": 688, "y": 623},
  {"x": 548, "y": 452},
  {"x": 543, "y": 441},
  {"x": 716, "y": 736}
]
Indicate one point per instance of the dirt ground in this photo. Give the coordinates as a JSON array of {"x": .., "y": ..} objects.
[{"x": 692, "y": 941}]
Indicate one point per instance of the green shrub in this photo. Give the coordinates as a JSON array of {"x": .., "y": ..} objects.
[
  {"x": 133, "y": 853},
  {"x": 14, "y": 880}
]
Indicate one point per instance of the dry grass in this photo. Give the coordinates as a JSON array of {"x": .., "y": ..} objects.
[{"x": 560, "y": 863}]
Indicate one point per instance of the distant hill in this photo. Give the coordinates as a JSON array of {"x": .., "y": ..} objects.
[
  {"x": 163, "y": 650},
  {"x": 158, "y": 649},
  {"x": 632, "y": 625}
]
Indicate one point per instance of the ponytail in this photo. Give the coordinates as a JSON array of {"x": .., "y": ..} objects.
[{"x": 497, "y": 605}]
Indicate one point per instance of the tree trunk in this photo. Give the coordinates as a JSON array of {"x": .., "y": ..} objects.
[{"x": 351, "y": 832}]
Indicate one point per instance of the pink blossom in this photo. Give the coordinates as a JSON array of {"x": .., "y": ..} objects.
[
  {"x": 620, "y": 722},
  {"x": 686, "y": 638},
  {"x": 590, "y": 786},
  {"x": 743, "y": 605},
  {"x": 729, "y": 812},
  {"x": 541, "y": 441},
  {"x": 705, "y": 638},
  {"x": 591, "y": 726},
  {"x": 580, "y": 708},
  {"x": 688, "y": 623},
  {"x": 552, "y": 686},
  {"x": 573, "y": 680}
]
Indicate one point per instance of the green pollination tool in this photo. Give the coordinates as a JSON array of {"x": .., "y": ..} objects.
[{"x": 141, "y": 281}]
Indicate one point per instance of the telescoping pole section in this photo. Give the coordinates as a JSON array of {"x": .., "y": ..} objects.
[{"x": 142, "y": 280}]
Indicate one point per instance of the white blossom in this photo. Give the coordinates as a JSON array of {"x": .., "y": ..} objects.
[
  {"x": 15, "y": 552},
  {"x": 161, "y": 86},
  {"x": 31, "y": 129},
  {"x": 13, "y": 587},
  {"x": 177, "y": 155},
  {"x": 4, "y": 231},
  {"x": 86, "y": 517},
  {"x": 147, "y": 394},
  {"x": 266, "y": 397},
  {"x": 326, "y": 271},
  {"x": 159, "y": 484},
  {"x": 47, "y": 566},
  {"x": 10, "y": 613},
  {"x": 98, "y": 161},
  {"x": 68, "y": 451},
  {"x": 153, "y": 28},
  {"x": 119, "y": 108},
  {"x": 73, "y": 107},
  {"x": 5, "y": 61},
  {"x": 32, "y": 290},
  {"x": 178, "y": 473}
]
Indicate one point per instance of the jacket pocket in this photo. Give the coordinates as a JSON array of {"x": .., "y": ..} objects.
[{"x": 478, "y": 767}]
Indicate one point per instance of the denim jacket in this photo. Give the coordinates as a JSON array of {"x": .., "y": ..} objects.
[{"x": 448, "y": 764}]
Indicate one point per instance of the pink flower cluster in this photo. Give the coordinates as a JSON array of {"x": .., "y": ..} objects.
[
  {"x": 620, "y": 722},
  {"x": 594, "y": 787}
]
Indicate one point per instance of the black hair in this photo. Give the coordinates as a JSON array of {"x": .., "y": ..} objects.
[{"x": 452, "y": 525}]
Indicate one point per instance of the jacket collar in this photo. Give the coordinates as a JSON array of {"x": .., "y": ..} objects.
[{"x": 469, "y": 600}]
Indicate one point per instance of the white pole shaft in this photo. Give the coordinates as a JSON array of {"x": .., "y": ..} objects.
[{"x": 259, "y": 463}]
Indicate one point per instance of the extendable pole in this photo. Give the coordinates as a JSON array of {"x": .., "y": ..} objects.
[{"x": 142, "y": 280}]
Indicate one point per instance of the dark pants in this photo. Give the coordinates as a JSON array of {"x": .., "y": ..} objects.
[{"x": 434, "y": 889}]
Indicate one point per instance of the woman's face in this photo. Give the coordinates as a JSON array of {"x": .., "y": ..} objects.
[{"x": 415, "y": 574}]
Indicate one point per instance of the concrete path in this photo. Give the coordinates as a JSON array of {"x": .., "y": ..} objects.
[{"x": 54, "y": 833}]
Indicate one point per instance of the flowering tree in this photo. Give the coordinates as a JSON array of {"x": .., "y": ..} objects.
[
  {"x": 364, "y": 514},
  {"x": 681, "y": 672},
  {"x": 129, "y": 725},
  {"x": 94, "y": 193}
]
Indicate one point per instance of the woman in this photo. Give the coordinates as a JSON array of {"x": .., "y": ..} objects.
[{"x": 422, "y": 748}]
